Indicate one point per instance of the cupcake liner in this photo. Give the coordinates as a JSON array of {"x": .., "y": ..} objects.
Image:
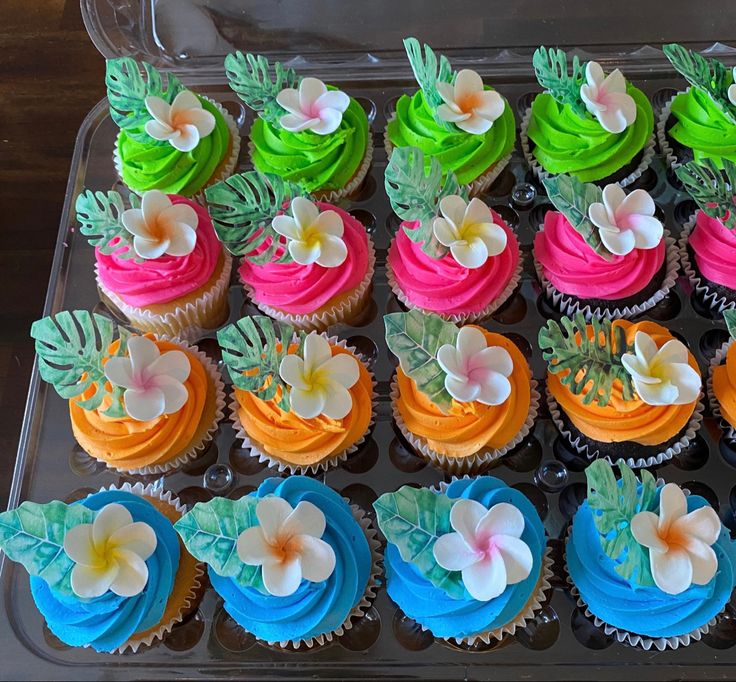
[
  {"x": 664, "y": 145},
  {"x": 570, "y": 305},
  {"x": 540, "y": 173},
  {"x": 257, "y": 450},
  {"x": 715, "y": 406},
  {"x": 471, "y": 463}
]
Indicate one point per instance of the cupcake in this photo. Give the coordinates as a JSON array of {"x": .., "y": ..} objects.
[
  {"x": 651, "y": 564},
  {"x": 617, "y": 388},
  {"x": 139, "y": 404},
  {"x": 462, "y": 397},
  {"x": 722, "y": 379},
  {"x": 170, "y": 139},
  {"x": 107, "y": 572},
  {"x": 306, "y": 132},
  {"x": 307, "y": 263},
  {"x": 603, "y": 253},
  {"x": 466, "y": 126},
  {"x": 594, "y": 126},
  {"x": 450, "y": 256},
  {"x": 468, "y": 562},
  {"x": 700, "y": 122},
  {"x": 295, "y": 564},
  {"x": 301, "y": 403},
  {"x": 159, "y": 264}
]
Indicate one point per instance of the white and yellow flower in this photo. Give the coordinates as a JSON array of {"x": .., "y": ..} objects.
[
  {"x": 312, "y": 107},
  {"x": 468, "y": 105},
  {"x": 182, "y": 124},
  {"x": 606, "y": 98}
]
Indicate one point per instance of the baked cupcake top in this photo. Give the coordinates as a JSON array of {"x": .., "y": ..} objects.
[
  {"x": 647, "y": 558},
  {"x": 454, "y": 118},
  {"x": 170, "y": 138},
  {"x": 620, "y": 381},
  {"x": 464, "y": 561},
  {"x": 586, "y": 123},
  {"x": 599, "y": 244}
]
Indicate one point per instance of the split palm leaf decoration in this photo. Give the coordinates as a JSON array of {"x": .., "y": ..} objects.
[
  {"x": 713, "y": 189},
  {"x": 551, "y": 69}
]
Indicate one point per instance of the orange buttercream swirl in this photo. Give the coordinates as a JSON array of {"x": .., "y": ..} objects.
[
  {"x": 625, "y": 420},
  {"x": 468, "y": 427},
  {"x": 724, "y": 386}
]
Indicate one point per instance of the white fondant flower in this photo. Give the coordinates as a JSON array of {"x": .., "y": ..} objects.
[
  {"x": 183, "y": 123},
  {"x": 154, "y": 383},
  {"x": 662, "y": 376},
  {"x": 475, "y": 370},
  {"x": 320, "y": 382},
  {"x": 288, "y": 545},
  {"x": 626, "y": 222},
  {"x": 732, "y": 88},
  {"x": 680, "y": 552},
  {"x": 469, "y": 231},
  {"x": 487, "y": 548},
  {"x": 312, "y": 107},
  {"x": 468, "y": 105},
  {"x": 606, "y": 98},
  {"x": 110, "y": 553},
  {"x": 313, "y": 237},
  {"x": 161, "y": 227}
]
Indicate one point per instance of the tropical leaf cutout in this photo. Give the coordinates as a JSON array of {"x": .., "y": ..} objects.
[
  {"x": 33, "y": 535},
  {"x": 730, "y": 317},
  {"x": 713, "y": 189},
  {"x": 428, "y": 69},
  {"x": 415, "y": 338},
  {"x": 412, "y": 519},
  {"x": 550, "y": 66},
  {"x": 587, "y": 359},
  {"x": 100, "y": 216}
]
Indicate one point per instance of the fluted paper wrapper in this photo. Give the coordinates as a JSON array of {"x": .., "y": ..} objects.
[
  {"x": 715, "y": 407},
  {"x": 664, "y": 144}
]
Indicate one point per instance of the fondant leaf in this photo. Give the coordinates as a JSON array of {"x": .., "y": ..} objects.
[
  {"x": 412, "y": 519},
  {"x": 33, "y": 535},
  {"x": 730, "y": 317},
  {"x": 100, "y": 217},
  {"x": 210, "y": 532},
  {"x": 587, "y": 357},
  {"x": 415, "y": 338},
  {"x": 550, "y": 66},
  {"x": 428, "y": 69},
  {"x": 713, "y": 189}
]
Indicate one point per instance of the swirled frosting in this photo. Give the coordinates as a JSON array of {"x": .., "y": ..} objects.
[
  {"x": 159, "y": 166},
  {"x": 567, "y": 143},
  {"x": 465, "y": 154},
  {"x": 645, "y": 610},
  {"x": 714, "y": 246},
  {"x": 107, "y": 622},
  {"x": 724, "y": 386},
  {"x": 164, "y": 279},
  {"x": 315, "y": 608},
  {"x": 574, "y": 268},
  {"x": 316, "y": 162},
  {"x": 447, "y": 617},
  {"x": 443, "y": 285},
  {"x": 625, "y": 420},
  {"x": 469, "y": 427}
]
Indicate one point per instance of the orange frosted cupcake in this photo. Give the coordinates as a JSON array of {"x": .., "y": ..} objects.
[
  {"x": 722, "y": 380},
  {"x": 462, "y": 397}
]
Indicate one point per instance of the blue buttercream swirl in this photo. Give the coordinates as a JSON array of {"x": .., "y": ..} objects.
[
  {"x": 109, "y": 621},
  {"x": 315, "y": 608},
  {"x": 645, "y": 610},
  {"x": 447, "y": 617}
]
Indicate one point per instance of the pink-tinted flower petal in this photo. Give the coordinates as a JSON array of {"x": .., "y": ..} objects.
[
  {"x": 594, "y": 74},
  {"x": 462, "y": 390},
  {"x": 328, "y": 122},
  {"x": 174, "y": 392},
  {"x": 470, "y": 340},
  {"x": 296, "y": 123},
  {"x": 638, "y": 202},
  {"x": 614, "y": 83},
  {"x": 333, "y": 99},
  {"x": 173, "y": 364},
  {"x": 448, "y": 359},
  {"x": 624, "y": 104},
  {"x": 310, "y": 90},
  {"x": 145, "y": 405},
  {"x": 118, "y": 371},
  {"x": 501, "y": 519},
  {"x": 486, "y": 579},
  {"x": 495, "y": 389},
  {"x": 493, "y": 358},
  {"x": 452, "y": 553}
]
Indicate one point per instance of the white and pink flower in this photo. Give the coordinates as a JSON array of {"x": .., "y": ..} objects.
[
  {"x": 312, "y": 107},
  {"x": 606, "y": 98}
]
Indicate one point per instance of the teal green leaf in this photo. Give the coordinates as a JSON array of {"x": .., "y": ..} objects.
[
  {"x": 550, "y": 66},
  {"x": 730, "y": 317},
  {"x": 713, "y": 189},
  {"x": 100, "y": 216},
  {"x": 428, "y": 68}
]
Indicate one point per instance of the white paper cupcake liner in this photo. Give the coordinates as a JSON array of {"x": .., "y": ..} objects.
[
  {"x": 664, "y": 145},
  {"x": 571, "y": 305},
  {"x": 471, "y": 463},
  {"x": 715, "y": 406},
  {"x": 282, "y": 464},
  {"x": 540, "y": 173}
]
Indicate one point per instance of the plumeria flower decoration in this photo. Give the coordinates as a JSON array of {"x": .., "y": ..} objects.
[
  {"x": 154, "y": 382},
  {"x": 312, "y": 107},
  {"x": 606, "y": 98},
  {"x": 679, "y": 543},
  {"x": 732, "y": 88},
  {"x": 110, "y": 553},
  {"x": 626, "y": 222},
  {"x": 468, "y": 105},
  {"x": 662, "y": 376},
  {"x": 320, "y": 382},
  {"x": 475, "y": 370},
  {"x": 287, "y": 545},
  {"x": 487, "y": 548},
  {"x": 183, "y": 123},
  {"x": 468, "y": 231}
]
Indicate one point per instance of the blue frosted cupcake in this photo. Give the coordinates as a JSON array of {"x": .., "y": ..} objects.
[{"x": 467, "y": 563}]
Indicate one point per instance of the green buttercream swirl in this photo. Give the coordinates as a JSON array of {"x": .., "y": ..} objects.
[
  {"x": 159, "y": 166},
  {"x": 467, "y": 155},
  {"x": 313, "y": 161},
  {"x": 566, "y": 143}
]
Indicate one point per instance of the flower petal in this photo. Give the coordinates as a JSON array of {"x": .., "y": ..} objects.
[
  {"x": 303, "y": 253},
  {"x": 252, "y": 547},
  {"x": 686, "y": 380},
  {"x": 328, "y": 122},
  {"x": 702, "y": 524},
  {"x": 470, "y": 255},
  {"x": 638, "y": 202},
  {"x": 144, "y": 406},
  {"x": 467, "y": 82},
  {"x": 447, "y": 113},
  {"x": 153, "y": 204},
  {"x": 517, "y": 558},
  {"x": 343, "y": 368},
  {"x": 495, "y": 389},
  {"x": 183, "y": 102},
  {"x": 638, "y": 370},
  {"x": 648, "y": 231},
  {"x": 134, "y": 222},
  {"x": 674, "y": 351},
  {"x": 619, "y": 243},
  {"x": 645, "y": 347},
  {"x": 110, "y": 518},
  {"x": 187, "y": 139},
  {"x": 333, "y": 251},
  {"x": 491, "y": 105},
  {"x": 296, "y": 123},
  {"x": 143, "y": 352},
  {"x": 304, "y": 211},
  {"x": 614, "y": 83},
  {"x": 159, "y": 109},
  {"x": 672, "y": 505},
  {"x": 317, "y": 351},
  {"x": 288, "y": 98},
  {"x": 283, "y": 578},
  {"x": 148, "y": 248},
  {"x": 732, "y": 93},
  {"x": 131, "y": 576},
  {"x": 493, "y": 236},
  {"x": 337, "y": 401},
  {"x": 136, "y": 537},
  {"x": 448, "y": 359},
  {"x": 444, "y": 232},
  {"x": 173, "y": 363},
  {"x": 453, "y": 208},
  {"x": 175, "y": 394},
  {"x": 611, "y": 120},
  {"x": 79, "y": 547},
  {"x": 310, "y": 90},
  {"x": 200, "y": 118},
  {"x": 159, "y": 131},
  {"x": 271, "y": 513},
  {"x": 317, "y": 559},
  {"x": 501, "y": 519},
  {"x": 494, "y": 358},
  {"x": 465, "y": 516},
  {"x": 182, "y": 240},
  {"x": 118, "y": 371},
  {"x": 594, "y": 73},
  {"x": 703, "y": 560},
  {"x": 645, "y": 529},
  {"x": 291, "y": 370},
  {"x": 446, "y": 92},
  {"x": 598, "y": 215},
  {"x": 486, "y": 579},
  {"x": 656, "y": 394},
  {"x": 306, "y": 519},
  {"x": 307, "y": 404},
  {"x": 287, "y": 226},
  {"x": 180, "y": 213},
  {"x": 672, "y": 570},
  {"x": 333, "y": 99},
  {"x": 462, "y": 390},
  {"x": 624, "y": 105},
  {"x": 329, "y": 222},
  {"x": 452, "y": 553},
  {"x": 613, "y": 197},
  {"x": 475, "y": 125},
  {"x": 89, "y": 582},
  {"x": 477, "y": 211},
  {"x": 470, "y": 341}
]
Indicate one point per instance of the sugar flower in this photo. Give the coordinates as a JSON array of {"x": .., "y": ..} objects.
[
  {"x": 183, "y": 123},
  {"x": 606, "y": 98},
  {"x": 732, "y": 88},
  {"x": 468, "y": 105},
  {"x": 312, "y": 107}
]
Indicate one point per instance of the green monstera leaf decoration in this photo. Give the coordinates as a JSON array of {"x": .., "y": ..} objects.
[
  {"x": 730, "y": 317},
  {"x": 100, "y": 216},
  {"x": 550, "y": 66},
  {"x": 428, "y": 69},
  {"x": 713, "y": 189}
]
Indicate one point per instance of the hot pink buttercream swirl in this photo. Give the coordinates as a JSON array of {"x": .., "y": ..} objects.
[
  {"x": 164, "y": 279},
  {"x": 574, "y": 268},
  {"x": 301, "y": 289},
  {"x": 443, "y": 285},
  {"x": 715, "y": 248}
]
